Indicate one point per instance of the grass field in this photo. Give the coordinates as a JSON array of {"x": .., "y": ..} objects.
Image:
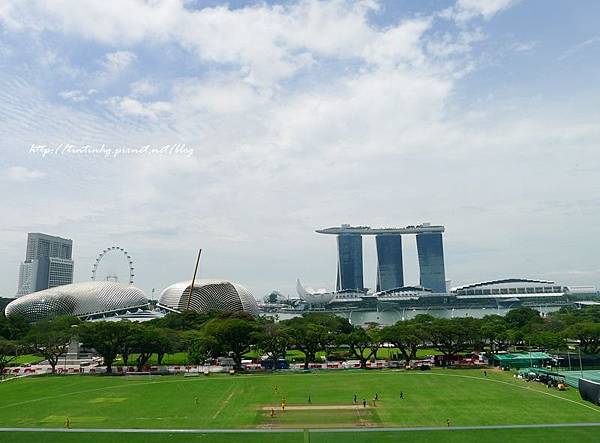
[
  {"x": 181, "y": 358},
  {"x": 465, "y": 397},
  {"x": 26, "y": 359}
]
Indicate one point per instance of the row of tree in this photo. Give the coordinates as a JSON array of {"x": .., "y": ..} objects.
[{"x": 208, "y": 336}]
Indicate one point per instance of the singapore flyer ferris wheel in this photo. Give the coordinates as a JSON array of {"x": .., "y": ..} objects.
[{"x": 113, "y": 264}]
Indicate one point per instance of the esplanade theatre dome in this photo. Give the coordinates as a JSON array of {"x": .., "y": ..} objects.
[
  {"x": 88, "y": 300},
  {"x": 208, "y": 295}
]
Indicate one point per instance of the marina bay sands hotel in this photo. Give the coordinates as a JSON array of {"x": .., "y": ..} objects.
[{"x": 390, "y": 273}]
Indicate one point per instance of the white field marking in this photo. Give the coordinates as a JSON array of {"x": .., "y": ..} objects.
[
  {"x": 514, "y": 385},
  {"x": 224, "y": 404},
  {"x": 315, "y": 407},
  {"x": 297, "y": 430}
]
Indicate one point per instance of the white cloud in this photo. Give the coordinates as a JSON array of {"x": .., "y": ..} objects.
[
  {"x": 579, "y": 47},
  {"x": 131, "y": 107},
  {"x": 524, "y": 46},
  {"x": 465, "y": 10},
  {"x": 53, "y": 59},
  {"x": 75, "y": 95},
  {"x": 23, "y": 174},
  {"x": 449, "y": 45},
  {"x": 143, "y": 88},
  {"x": 117, "y": 61},
  {"x": 397, "y": 45},
  {"x": 5, "y": 51},
  {"x": 218, "y": 96},
  {"x": 9, "y": 17},
  {"x": 267, "y": 43}
]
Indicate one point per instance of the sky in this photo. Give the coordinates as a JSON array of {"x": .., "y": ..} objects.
[{"x": 241, "y": 127}]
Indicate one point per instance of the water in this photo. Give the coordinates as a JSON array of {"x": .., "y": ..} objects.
[{"x": 390, "y": 317}]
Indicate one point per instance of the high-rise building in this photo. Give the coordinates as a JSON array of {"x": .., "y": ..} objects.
[
  {"x": 48, "y": 263},
  {"x": 390, "y": 274},
  {"x": 431, "y": 261},
  {"x": 44, "y": 245},
  {"x": 350, "y": 263},
  {"x": 27, "y": 277}
]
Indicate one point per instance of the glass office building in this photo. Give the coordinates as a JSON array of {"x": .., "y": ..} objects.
[
  {"x": 431, "y": 261},
  {"x": 390, "y": 274},
  {"x": 44, "y": 245},
  {"x": 350, "y": 262},
  {"x": 48, "y": 263}
]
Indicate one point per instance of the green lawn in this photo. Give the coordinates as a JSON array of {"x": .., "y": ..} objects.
[
  {"x": 384, "y": 353},
  {"x": 181, "y": 358},
  {"x": 465, "y": 397},
  {"x": 26, "y": 359}
]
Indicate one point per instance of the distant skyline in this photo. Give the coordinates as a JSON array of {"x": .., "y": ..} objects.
[{"x": 241, "y": 127}]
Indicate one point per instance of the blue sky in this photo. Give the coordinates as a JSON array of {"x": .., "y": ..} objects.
[{"x": 479, "y": 115}]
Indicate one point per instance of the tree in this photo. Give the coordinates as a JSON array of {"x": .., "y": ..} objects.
[
  {"x": 570, "y": 315},
  {"x": 363, "y": 344},
  {"x": 274, "y": 340},
  {"x": 202, "y": 347},
  {"x": 545, "y": 339},
  {"x": 334, "y": 323},
  {"x": 515, "y": 337},
  {"x": 314, "y": 332},
  {"x": 495, "y": 332},
  {"x": 587, "y": 334},
  {"x": 129, "y": 343},
  {"x": 167, "y": 342},
  {"x": 143, "y": 341},
  {"x": 522, "y": 317},
  {"x": 4, "y": 326},
  {"x": 449, "y": 336},
  {"x": 309, "y": 338},
  {"x": 235, "y": 335},
  {"x": 14, "y": 328},
  {"x": 184, "y": 321},
  {"x": 407, "y": 336},
  {"x": 51, "y": 338},
  {"x": 106, "y": 337},
  {"x": 8, "y": 353}
]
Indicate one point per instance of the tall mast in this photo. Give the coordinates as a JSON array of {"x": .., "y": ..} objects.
[{"x": 193, "y": 280}]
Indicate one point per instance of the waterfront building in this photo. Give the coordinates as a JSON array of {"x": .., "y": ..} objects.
[
  {"x": 390, "y": 274},
  {"x": 514, "y": 289},
  {"x": 350, "y": 262},
  {"x": 431, "y": 261},
  {"x": 312, "y": 297},
  {"x": 207, "y": 295},
  {"x": 87, "y": 300}
]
